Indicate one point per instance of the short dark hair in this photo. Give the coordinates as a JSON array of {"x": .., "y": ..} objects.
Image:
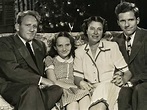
[
  {"x": 94, "y": 18},
  {"x": 53, "y": 52},
  {"x": 22, "y": 14},
  {"x": 125, "y": 7}
]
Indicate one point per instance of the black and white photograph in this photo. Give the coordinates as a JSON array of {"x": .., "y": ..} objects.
[{"x": 73, "y": 55}]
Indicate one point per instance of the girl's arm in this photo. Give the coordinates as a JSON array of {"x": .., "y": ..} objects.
[
  {"x": 81, "y": 83},
  {"x": 51, "y": 75}
]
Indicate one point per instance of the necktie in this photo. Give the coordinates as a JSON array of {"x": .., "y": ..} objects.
[
  {"x": 30, "y": 51},
  {"x": 129, "y": 45}
]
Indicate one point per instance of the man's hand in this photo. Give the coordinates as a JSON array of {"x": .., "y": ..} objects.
[{"x": 45, "y": 83}]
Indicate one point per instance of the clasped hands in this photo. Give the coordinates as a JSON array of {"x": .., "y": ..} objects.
[
  {"x": 87, "y": 86},
  {"x": 118, "y": 79}
]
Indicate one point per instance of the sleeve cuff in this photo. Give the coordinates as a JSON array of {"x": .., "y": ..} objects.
[
  {"x": 40, "y": 80},
  {"x": 128, "y": 84}
]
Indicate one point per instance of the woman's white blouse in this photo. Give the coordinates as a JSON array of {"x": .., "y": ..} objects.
[{"x": 100, "y": 68}]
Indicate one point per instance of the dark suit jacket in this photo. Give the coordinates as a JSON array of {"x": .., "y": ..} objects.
[
  {"x": 137, "y": 61},
  {"x": 16, "y": 64}
]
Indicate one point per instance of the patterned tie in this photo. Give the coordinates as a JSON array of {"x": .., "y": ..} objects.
[
  {"x": 129, "y": 45},
  {"x": 31, "y": 52}
]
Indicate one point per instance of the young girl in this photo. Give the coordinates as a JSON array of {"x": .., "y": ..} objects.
[{"x": 59, "y": 69}]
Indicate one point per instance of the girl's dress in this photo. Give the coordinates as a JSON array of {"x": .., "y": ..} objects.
[{"x": 63, "y": 70}]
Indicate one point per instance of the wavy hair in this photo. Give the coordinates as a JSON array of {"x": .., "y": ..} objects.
[
  {"x": 54, "y": 52},
  {"x": 94, "y": 18},
  {"x": 125, "y": 7},
  {"x": 22, "y": 14}
]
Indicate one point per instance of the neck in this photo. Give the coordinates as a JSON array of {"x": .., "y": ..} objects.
[{"x": 93, "y": 45}]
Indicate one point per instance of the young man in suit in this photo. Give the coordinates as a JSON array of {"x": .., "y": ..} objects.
[
  {"x": 133, "y": 45},
  {"x": 22, "y": 79}
]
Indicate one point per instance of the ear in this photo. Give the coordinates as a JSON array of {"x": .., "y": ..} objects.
[
  {"x": 117, "y": 22},
  {"x": 138, "y": 20},
  {"x": 17, "y": 27}
]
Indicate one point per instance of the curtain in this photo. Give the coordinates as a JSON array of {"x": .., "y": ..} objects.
[{"x": 22, "y": 5}]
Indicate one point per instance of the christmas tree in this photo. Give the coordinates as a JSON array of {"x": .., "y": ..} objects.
[{"x": 61, "y": 15}]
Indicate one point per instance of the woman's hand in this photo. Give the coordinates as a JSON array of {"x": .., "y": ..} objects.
[
  {"x": 117, "y": 80},
  {"x": 85, "y": 85}
]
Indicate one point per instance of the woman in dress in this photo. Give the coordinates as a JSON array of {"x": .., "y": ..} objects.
[
  {"x": 95, "y": 64},
  {"x": 59, "y": 69}
]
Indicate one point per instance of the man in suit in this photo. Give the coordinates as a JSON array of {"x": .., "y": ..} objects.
[
  {"x": 133, "y": 45},
  {"x": 22, "y": 80}
]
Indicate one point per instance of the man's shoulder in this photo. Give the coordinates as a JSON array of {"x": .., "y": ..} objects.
[
  {"x": 142, "y": 30},
  {"x": 7, "y": 39}
]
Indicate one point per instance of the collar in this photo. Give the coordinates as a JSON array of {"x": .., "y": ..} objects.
[
  {"x": 101, "y": 45},
  {"x": 24, "y": 42},
  {"x": 132, "y": 36},
  {"x": 70, "y": 60}
]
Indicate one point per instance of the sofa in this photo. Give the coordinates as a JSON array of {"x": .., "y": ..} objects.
[{"x": 46, "y": 38}]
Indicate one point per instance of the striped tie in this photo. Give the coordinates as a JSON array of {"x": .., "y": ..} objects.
[{"x": 129, "y": 45}]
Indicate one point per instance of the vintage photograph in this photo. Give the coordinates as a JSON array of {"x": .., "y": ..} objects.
[{"x": 73, "y": 55}]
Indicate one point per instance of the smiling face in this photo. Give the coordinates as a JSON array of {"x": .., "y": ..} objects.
[
  {"x": 28, "y": 27},
  {"x": 128, "y": 22},
  {"x": 63, "y": 47},
  {"x": 94, "y": 32}
]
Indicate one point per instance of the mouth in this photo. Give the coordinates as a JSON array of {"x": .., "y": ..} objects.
[
  {"x": 31, "y": 33},
  {"x": 95, "y": 36},
  {"x": 128, "y": 29},
  {"x": 64, "y": 52}
]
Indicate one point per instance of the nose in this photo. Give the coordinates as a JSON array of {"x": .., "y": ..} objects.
[
  {"x": 31, "y": 28},
  {"x": 64, "y": 48},
  {"x": 95, "y": 31},
  {"x": 127, "y": 23}
]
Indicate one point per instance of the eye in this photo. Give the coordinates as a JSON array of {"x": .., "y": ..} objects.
[
  {"x": 27, "y": 24},
  {"x": 131, "y": 19},
  {"x": 122, "y": 21},
  {"x": 92, "y": 28},
  {"x": 34, "y": 26},
  {"x": 67, "y": 44},
  {"x": 100, "y": 29},
  {"x": 59, "y": 45}
]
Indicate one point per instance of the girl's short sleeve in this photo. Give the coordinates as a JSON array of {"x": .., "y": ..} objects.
[{"x": 49, "y": 63}]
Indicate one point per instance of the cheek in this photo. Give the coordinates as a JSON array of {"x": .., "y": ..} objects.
[
  {"x": 58, "y": 50},
  {"x": 89, "y": 31},
  {"x": 101, "y": 33},
  {"x": 69, "y": 48}
]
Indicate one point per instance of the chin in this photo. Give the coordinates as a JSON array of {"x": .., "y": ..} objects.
[{"x": 129, "y": 33}]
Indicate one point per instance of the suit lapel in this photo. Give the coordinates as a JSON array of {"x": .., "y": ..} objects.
[
  {"x": 122, "y": 45},
  {"x": 38, "y": 55},
  {"x": 137, "y": 43},
  {"x": 25, "y": 53}
]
